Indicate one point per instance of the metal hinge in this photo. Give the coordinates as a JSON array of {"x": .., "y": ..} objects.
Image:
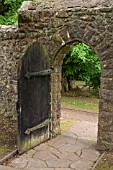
[
  {"x": 43, "y": 124},
  {"x": 28, "y": 75}
]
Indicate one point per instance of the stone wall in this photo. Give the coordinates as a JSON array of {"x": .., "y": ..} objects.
[
  {"x": 12, "y": 48},
  {"x": 59, "y": 26},
  {"x": 8, "y": 70}
]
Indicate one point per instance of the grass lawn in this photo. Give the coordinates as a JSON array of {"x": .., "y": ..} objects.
[
  {"x": 67, "y": 123},
  {"x": 82, "y": 103},
  {"x": 81, "y": 98},
  {"x": 106, "y": 163},
  {"x": 79, "y": 83}
]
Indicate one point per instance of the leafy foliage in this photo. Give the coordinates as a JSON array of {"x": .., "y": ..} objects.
[
  {"x": 81, "y": 63},
  {"x": 8, "y": 11}
]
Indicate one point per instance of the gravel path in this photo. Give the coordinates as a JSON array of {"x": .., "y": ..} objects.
[{"x": 79, "y": 114}]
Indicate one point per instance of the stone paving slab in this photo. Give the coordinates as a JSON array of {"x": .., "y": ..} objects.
[
  {"x": 82, "y": 165},
  {"x": 10, "y": 168},
  {"x": 6, "y": 168},
  {"x": 84, "y": 129},
  {"x": 74, "y": 149}
]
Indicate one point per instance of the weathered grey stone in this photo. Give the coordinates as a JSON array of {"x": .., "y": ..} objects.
[
  {"x": 68, "y": 155},
  {"x": 107, "y": 73},
  {"x": 106, "y": 108},
  {"x": 57, "y": 24},
  {"x": 10, "y": 168},
  {"x": 62, "y": 140},
  {"x": 39, "y": 169},
  {"x": 106, "y": 94},
  {"x": 44, "y": 155},
  {"x": 106, "y": 83},
  {"x": 82, "y": 164},
  {"x": 87, "y": 130},
  {"x": 36, "y": 163},
  {"x": 45, "y": 158},
  {"x": 62, "y": 168},
  {"x": 68, "y": 148},
  {"x": 43, "y": 147},
  {"x": 19, "y": 163},
  {"x": 28, "y": 154},
  {"x": 90, "y": 154},
  {"x": 6, "y": 168},
  {"x": 58, "y": 163}
]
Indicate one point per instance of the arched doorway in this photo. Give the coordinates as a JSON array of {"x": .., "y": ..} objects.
[
  {"x": 81, "y": 74},
  {"x": 56, "y": 91}
]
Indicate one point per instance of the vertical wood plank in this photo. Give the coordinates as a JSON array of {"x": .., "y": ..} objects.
[{"x": 33, "y": 98}]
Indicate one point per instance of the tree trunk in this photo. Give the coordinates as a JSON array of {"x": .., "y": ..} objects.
[
  {"x": 64, "y": 85},
  {"x": 69, "y": 83}
]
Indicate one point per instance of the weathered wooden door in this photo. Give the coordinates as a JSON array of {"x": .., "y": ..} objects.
[{"x": 33, "y": 106}]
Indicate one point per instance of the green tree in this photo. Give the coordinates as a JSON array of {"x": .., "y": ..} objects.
[
  {"x": 81, "y": 63},
  {"x": 8, "y": 11}
]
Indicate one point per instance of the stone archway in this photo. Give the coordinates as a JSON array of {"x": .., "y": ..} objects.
[
  {"x": 57, "y": 78},
  {"x": 105, "y": 103},
  {"x": 58, "y": 25}
]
